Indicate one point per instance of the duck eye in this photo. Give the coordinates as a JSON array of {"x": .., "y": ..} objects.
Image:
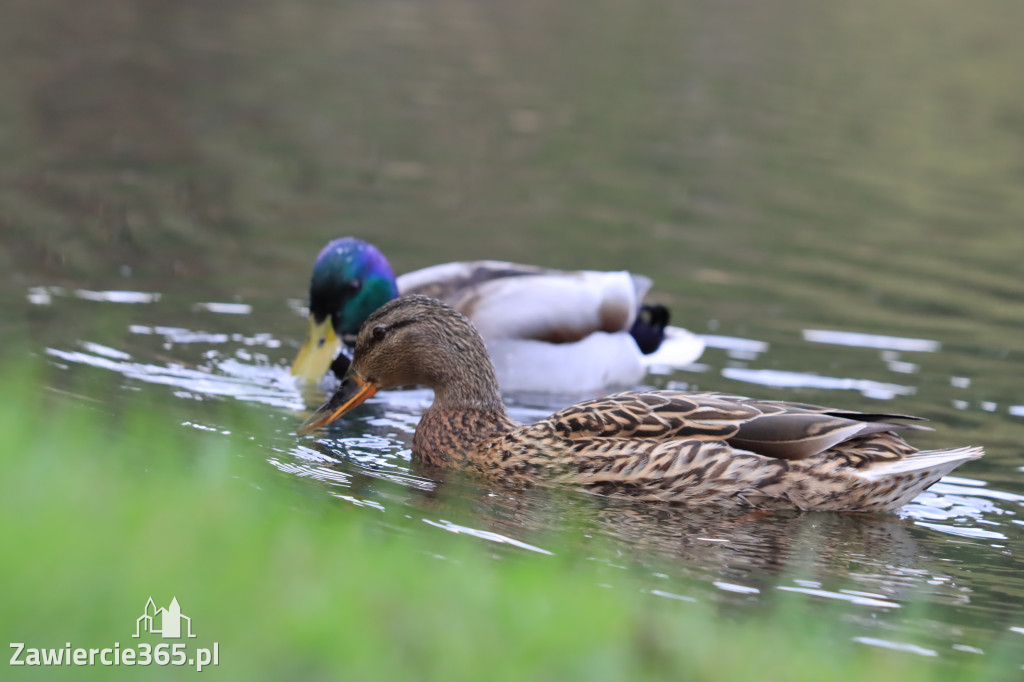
[{"x": 379, "y": 333}]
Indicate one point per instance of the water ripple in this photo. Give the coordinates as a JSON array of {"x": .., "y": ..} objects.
[
  {"x": 896, "y": 646},
  {"x": 117, "y": 296},
  {"x": 964, "y": 531},
  {"x": 785, "y": 379},
  {"x": 862, "y": 340},
  {"x": 485, "y": 535},
  {"x": 843, "y": 596},
  {"x": 224, "y": 308},
  {"x": 250, "y": 383}
]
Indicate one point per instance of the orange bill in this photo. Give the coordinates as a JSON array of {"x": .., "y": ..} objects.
[{"x": 352, "y": 392}]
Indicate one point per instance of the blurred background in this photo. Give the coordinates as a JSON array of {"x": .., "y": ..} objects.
[{"x": 855, "y": 148}]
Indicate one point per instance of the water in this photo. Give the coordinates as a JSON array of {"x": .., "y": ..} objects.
[{"x": 829, "y": 194}]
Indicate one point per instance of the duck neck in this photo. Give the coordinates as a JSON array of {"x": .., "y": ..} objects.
[{"x": 467, "y": 410}]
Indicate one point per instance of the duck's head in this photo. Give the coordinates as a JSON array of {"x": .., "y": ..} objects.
[
  {"x": 415, "y": 340},
  {"x": 351, "y": 279}
]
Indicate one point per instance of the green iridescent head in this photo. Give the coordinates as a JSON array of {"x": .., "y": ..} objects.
[{"x": 351, "y": 279}]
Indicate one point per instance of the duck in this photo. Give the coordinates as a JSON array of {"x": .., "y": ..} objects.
[
  {"x": 672, "y": 446},
  {"x": 547, "y": 330}
]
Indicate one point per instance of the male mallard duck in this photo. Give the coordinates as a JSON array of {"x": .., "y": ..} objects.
[
  {"x": 547, "y": 330},
  {"x": 658, "y": 445}
]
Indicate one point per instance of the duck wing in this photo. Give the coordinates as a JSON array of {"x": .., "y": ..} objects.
[
  {"x": 513, "y": 301},
  {"x": 446, "y": 280},
  {"x": 701, "y": 448},
  {"x": 780, "y": 430}
]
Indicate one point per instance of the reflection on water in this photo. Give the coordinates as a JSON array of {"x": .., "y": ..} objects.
[
  {"x": 871, "y": 341},
  {"x": 949, "y": 546},
  {"x": 490, "y": 536},
  {"x": 243, "y": 373},
  {"x": 902, "y": 646},
  {"x": 225, "y": 308},
  {"x": 220, "y": 377},
  {"x": 44, "y": 295},
  {"x": 783, "y": 379},
  {"x": 745, "y": 349},
  {"x": 115, "y": 296}
]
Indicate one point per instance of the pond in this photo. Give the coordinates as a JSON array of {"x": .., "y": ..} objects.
[{"x": 830, "y": 195}]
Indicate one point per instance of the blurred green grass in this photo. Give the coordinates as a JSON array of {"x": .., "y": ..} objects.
[{"x": 102, "y": 511}]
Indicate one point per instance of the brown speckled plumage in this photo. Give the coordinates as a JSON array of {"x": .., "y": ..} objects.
[{"x": 675, "y": 446}]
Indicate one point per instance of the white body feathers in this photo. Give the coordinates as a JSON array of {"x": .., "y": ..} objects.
[{"x": 552, "y": 331}]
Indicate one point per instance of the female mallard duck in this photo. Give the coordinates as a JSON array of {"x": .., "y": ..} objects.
[
  {"x": 659, "y": 445},
  {"x": 547, "y": 330}
]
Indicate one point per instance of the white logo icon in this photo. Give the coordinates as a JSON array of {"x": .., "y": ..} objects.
[{"x": 169, "y": 620}]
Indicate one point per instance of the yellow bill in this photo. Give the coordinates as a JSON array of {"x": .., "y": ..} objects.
[
  {"x": 352, "y": 392},
  {"x": 318, "y": 352}
]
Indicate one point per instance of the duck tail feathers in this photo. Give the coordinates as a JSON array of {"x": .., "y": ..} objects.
[
  {"x": 937, "y": 462},
  {"x": 902, "y": 480}
]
